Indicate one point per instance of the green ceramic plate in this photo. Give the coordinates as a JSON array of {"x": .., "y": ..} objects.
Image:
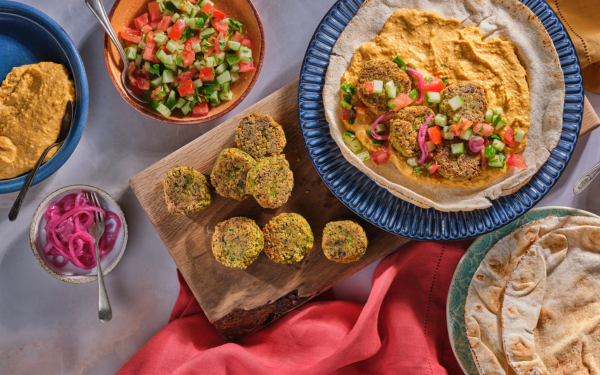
[{"x": 457, "y": 295}]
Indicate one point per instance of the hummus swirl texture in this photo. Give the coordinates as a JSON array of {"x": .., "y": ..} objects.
[
  {"x": 441, "y": 47},
  {"x": 33, "y": 101}
]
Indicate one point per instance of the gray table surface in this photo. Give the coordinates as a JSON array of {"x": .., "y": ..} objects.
[{"x": 51, "y": 327}]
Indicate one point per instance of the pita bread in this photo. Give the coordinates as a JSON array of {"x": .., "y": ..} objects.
[
  {"x": 551, "y": 309},
  {"x": 483, "y": 307},
  {"x": 507, "y": 19}
]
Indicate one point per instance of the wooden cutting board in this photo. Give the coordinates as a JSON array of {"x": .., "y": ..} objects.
[{"x": 239, "y": 302}]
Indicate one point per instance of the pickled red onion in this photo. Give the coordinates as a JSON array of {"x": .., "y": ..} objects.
[
  {"x": 419, "y": 76},
  {"x": 375, "y": 135},
  {"x": 476, "y": 144},
  {"x": 66, "y": 228},
  {"x": 421, "y": 139}
]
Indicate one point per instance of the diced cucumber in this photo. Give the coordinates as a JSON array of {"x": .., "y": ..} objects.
[
  {"x": 196, "y": 48},
  {"x": 519, "y": 135},
  {"x": 156, "y": 82},
  {"x": 363, "y": 155},
  {"x": 225, "y": 77},
  {"x": 214, "y": 99},
  {"x": 413, "y": 162},
  {"x": 496, "y": 162},
  {"x": 380, "y": 128},
  {"x": 175, "y": 17},
  {"x": 220, "y": 57},
  {"x": 447, "y": 133},
  {"x": 141, "y": 45},
  {"x": 232, "y": 60},
  {"x": 235, "y": 46},
  {"x": 399, "y": 61},
  {"x": 457, "y": 148},
  {"x": 187, "y": 107},
  {"x": 207, "y": 32},
  {"x": 161, "y": 55},
  {"x": 466, "y": 134},
  {"x": 345, "y": 104},
  {"x": 455, "y": 119},
  {"x": 498, "y": 111},
  {"x": 377, "y": 86},
  {"x": 204, "y": 2},
  {"x": 489, "y": 116},
  {"x": 166, "y": 12},
  {"x": 234, "y": 68},
  {"x": 177, "y": 3},
  {"x": 245, "y": 54},
  {"x": 171, "y": 100},
  {"x": 220, "y": 69},
  {"x": 210, "y": 61},
  {"x": 234, "y": 76},
  {"x": 154, "y": 103},
  {"x": 456, "y": 102},
  {"x": 138, "y": 60},
  {"x": 163, "y": 110},
  {"x": 413, "y": 94},
  {"x": 390, "y": 89},
  {"x": 171, "y": 46},
  {"x": 188, "y": 7},
  {"x": 226, "y": 95},
  {"x": 168, "y": 61},
  {"x": 168, "y": 76},
  {"x": 131, "y": 53},
  {"x": 355, "y": 146},
  {"x": 377, "y": 142},
  {"x": 180, "y": 103},
  {"x": 160, "y": 38},
  {"x": 498, "y": 145},
  {"x": 348, "y": 137},
  {"x": 226, "y": 87},
  {"x": 500, "y": 124},
  {"x": 441, "y": 119},
  {"x": 432, "y": 97},
  {"x": 198, "y": 83},
  {"x": 199, "y": 64},
  {"x": 198, "y": 23}
]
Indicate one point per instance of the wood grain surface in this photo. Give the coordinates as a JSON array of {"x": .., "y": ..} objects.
[
  {"x": 590, "y": 118},
  {"x": 236, "y": 301},
  {"x": 239, "y": 302}
]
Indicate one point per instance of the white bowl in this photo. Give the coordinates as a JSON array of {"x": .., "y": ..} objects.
[{"x": 70, "y": 273}]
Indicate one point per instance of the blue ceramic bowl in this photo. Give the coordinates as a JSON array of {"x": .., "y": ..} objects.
[
  {"x": 377, "y": 205},
  {"x": 28, "y": 36}
]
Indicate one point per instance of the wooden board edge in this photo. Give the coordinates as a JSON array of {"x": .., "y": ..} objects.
[{"x": 590, "y": 120}]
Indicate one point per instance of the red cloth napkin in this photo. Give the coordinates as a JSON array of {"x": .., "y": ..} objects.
[{"x": 400, "y": 330}]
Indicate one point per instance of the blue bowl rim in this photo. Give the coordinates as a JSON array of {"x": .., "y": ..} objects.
[
  {"x": 79, "y": 77},
  {"x": 413, "y": 221}
]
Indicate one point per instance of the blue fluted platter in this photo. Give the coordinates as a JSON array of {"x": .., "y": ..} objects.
[{"x": 384, "y": 210}]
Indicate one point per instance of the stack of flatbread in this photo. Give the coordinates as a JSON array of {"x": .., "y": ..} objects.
[{"x": 533, "y": 306}]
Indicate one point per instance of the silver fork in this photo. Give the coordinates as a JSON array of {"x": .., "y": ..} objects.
[{"x": 96, "y": 230}]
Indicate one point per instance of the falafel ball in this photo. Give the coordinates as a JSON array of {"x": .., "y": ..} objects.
[
  {"x": 186, "y": 191},
  {"x": 271, "y": 181},
  {"x": 229, "y": 174},
  {"x": 383, "y": 71},
  {"x": 404, "y": 130},
  {"x": 260, "y": 136},
  {"x": 288, "y": 238},
  {"x": 457, "y": 167},
  {"x": 344, "y": 241},
  {"x": 472, "y": 94},
  {"x": 237, "y": 242}
]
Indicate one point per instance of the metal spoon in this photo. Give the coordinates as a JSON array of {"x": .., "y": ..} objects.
[
  {"x": 586, "y": 179},
  {"x": 98, "y": 9},
  {"x": 65, "y": 127}
]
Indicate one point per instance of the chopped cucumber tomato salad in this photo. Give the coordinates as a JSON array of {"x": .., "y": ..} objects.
[
  {"x": 185, "y": 55},
  {"x": 480, "y": 137}
]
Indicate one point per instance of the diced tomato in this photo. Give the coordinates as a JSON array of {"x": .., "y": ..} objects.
[
  {"x": 380, "y": 157},
  {"x": 145, "y": 73},
  {"x": 200, "y": 109},
  {"x": 516, "y": 161},
  {"x": 400, "y": 101},
  {"x": 221, "y": 37},
  {"x": 187, "y": 75},
  {"x": 482, "y": 129},
  {"x": 237, "y": 37},
  {"x": 430, "y": 146},
  {"x": 192, "y": 1},
  {"x": 206, "y": 74},
  {"x": 368, "y": 88},
  {"x": 435, "y": 134},
  {"x": 347, "y": 114},
  {"x": 187, "y": 88},
  {"x": 220, "y": 26},
  {"x": 193, "y": 40},
  {"x": 143, "y": 83},
  {"x": 135, "y": 89},
  {"x": 164, "y": 48},
  {"x": 158, "y": 93},
  {"x": 219, "y": 15},
  {"x": 208, "y": 9},
  {"x": 141, "y": 21},
  {"x": 177, "y": 29},
  {"x": 432, "y": 168},
  {"x": 154, "y": 11},
  {"x": 134, "y": 36},
  {"x": 188, "y": 57},
  {"x": 246, "y": 42},
  {"x": 436, "y": 85},
  {"x": 150, "y": 36},
  {"x": 149, "y": 50},
  {"x": 509, "y": 136},
  {"x": 147, "y": 29},
  {"x": 465, "y": 123},
  {"x": 455, "y": 129},
  {"x": 131, "y": 71},
  {"x": 246, "y": 67},
  {"x": 153, "y": 24},
  {"x": 164, "y": 24}
]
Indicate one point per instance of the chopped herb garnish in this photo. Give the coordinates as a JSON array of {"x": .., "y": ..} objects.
[
  {"x": 348, "y": 88},
  {"x": 351, "y": 121},
  {"x": 154, "y": 69},
  {"x": 235, "y": 25},
  {"x": 428, "y": 79},
  {"x": 169, "y": 5},
  {"x": 399, "y": 61},
  {"x": 445, "y": 81},
  {"x": 221, "y": 44},
  {"x": 418, "y": 169},
  {"x": 489, "y": 152},
  {"x": 348, "y": 98},
  {"x": 187, "y": 34},
  {"x": 443, "y": 64},
  {"x": 495, "y": 136},
  {"x": 480, "y": 129}
]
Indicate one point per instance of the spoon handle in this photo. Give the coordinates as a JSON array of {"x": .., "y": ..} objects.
[
  {"x": 14, "y": 211},
  {"x": 98, "y": 9},
  {"x": 586, "y": 179}
]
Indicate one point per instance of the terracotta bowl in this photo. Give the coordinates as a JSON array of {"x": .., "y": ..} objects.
[{"x": 124, "y": 11}]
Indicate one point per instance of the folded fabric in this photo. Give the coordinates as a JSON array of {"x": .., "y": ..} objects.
[
  {"x": 400, "y": 330},
  {"x": 581, "y": 21}
]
